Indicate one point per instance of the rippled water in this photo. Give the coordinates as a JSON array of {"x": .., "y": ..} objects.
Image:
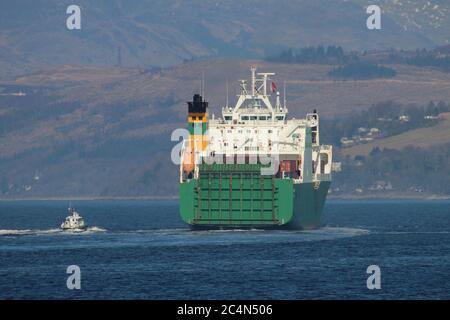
[{"x": 141, "y": 249}]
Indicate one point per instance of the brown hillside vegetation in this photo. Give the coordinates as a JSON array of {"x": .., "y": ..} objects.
[
  {"x": 422, "y": 138},
  {"x": 308, "y": 86},
  {"x": 107, "y": 130}
]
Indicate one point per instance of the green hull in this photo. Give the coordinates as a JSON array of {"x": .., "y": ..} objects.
[{"x": 238, "y": 196}]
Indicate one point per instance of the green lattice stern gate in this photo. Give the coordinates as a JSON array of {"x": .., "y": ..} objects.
[{"x": 239, "y": 196}]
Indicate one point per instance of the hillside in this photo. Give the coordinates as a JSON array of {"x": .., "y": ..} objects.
[
  {"x": 422, "y": 138},
  {"x": 74, "y": 130},
  {"x": 422, "y": 16},
  {"x": 167, "y": 32}
]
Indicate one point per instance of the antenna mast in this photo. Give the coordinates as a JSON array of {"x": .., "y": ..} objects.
[
  {"x": 227, "y": 95},
  {"x": 265, "y": 77},
  {"x": 203, "y": 85},
  {"x": 253, "y": 68}
]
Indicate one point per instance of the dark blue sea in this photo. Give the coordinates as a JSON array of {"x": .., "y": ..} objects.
[{"x": 142, "y": 250}]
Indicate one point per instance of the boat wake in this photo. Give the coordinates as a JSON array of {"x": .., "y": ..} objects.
[
  {"x": 325, "y": 233},
  {"x": 56, "y": 231},
  {"x": 331, "y": 233},
  {"x": 25, "y": 232},
  {"x": 186, "y": 237},
  {"x": 83, "y": 231}
]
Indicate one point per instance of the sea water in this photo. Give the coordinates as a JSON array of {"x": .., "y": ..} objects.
[{"x": 142, "y": 250}]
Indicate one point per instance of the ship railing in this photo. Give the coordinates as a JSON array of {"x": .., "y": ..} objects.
[
  {"x": 322, "y": 177},
  {"x": 322, "y": 147},
  {"x": 217, "y": 121}
]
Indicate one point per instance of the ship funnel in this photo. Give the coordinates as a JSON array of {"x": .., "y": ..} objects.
[
  {"x": 197, "y": 105},
  {"x": 197, "y": 124}
]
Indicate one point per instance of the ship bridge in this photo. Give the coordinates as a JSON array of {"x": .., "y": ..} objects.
[
  {"x": 256, "y": 128},
  {"x": 255, "y": 105}
]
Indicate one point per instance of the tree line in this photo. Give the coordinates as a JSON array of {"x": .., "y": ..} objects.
[
  {"x": 364, "y": 64},
  {"x": 384, "y": 116},
  {"x": 313, "y": 55},
  {"x": 410, "y": 170}
]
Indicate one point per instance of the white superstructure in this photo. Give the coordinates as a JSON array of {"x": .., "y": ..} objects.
[
  {"x": 74, "y": 221},
  {"x": 255, "y": 127}
]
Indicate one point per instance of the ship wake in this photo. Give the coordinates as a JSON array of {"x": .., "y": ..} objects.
[
  {"x": 186, "y": 237},
  {"x": 55, "y": 231}
]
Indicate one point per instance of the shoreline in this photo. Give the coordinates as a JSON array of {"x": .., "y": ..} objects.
[
  {"x": 429, "y": 197},
  {"x": 176, "y": 197},
  {"x": 90, "y": 198}
]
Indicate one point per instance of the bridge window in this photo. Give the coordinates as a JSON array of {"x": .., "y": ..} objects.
[
  {"x": 244, "y": 118},
  {"x": 227, "y": 117}
]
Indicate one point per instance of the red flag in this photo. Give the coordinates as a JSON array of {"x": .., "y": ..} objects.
[{"x": 274, "y": 86}]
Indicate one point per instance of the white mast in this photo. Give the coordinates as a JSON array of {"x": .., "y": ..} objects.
[
  {"x": 265, "y": 77},
  {"x": 253, "y": 68},
  {"x": 259, "y": 97},
  {"x": 278, "y": 103},
  {"x": 203, "y": 85},
  {"x": 226, "y": 105}
]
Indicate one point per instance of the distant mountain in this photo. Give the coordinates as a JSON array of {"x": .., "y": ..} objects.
[
  {"x": 33, "y": 33},
  {"x": 429, "y": 18}
]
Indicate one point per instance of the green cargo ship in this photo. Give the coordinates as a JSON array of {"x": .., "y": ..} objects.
[{"x": 253, "y": 167}]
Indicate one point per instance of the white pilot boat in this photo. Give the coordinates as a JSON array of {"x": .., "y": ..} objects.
[{"x": 74, "y": 221}]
